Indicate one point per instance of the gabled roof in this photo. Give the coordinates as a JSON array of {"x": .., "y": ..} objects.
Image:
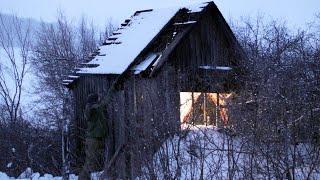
[
  {"x": 126, "y": 43},
  {"x": 128, "y": 48},
  {"x": 129, "y": 40}
]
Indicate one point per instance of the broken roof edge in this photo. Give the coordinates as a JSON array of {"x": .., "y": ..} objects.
[
  {"x": 137, "y": 52},
  {"x": 70, "y": 83},
  {"x": 104, "y": 68},
  {"x": 181, "y": 9},
  {"x": 134, "y": 61}
]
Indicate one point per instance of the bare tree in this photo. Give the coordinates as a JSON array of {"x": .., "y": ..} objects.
[
  {"x": 20, "y": 140},
  {"x": 59, "y": 49},
  {"x": 15, "y": 47},
  {"x": 274, "y": 120},
  {"x": 109, "y": 28},
  {"x": 281, "y": 95}
]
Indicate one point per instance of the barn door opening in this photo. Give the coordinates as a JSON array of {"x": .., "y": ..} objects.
[{"x": 199, "y": 108}]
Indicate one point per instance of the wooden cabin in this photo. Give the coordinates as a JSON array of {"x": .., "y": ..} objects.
[{"x": 154, "y": 59}]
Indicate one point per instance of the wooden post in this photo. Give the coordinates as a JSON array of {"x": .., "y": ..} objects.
[
  {"x": 192, "y": 108},
  {"x": 217, "y": 110},
  {"x": 204, "y": 109}
]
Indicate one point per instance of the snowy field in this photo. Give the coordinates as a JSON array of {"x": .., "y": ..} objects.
[
  {"x": 205, "y": 152},
  {"x": 28, "y": 175},
  {"x": 199, "y": 152},
  {"x": 35, "y": 176}
]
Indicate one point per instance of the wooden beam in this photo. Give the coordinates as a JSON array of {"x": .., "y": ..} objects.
[{"x": 170, "y": 48}]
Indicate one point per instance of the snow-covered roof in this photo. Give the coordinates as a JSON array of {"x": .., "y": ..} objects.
[
  {"x": 134, "y": 37},
  {"x": 145, "y": 63},
  {"x": 121, "y": 49},
  {"x": 127, "y": 44}
]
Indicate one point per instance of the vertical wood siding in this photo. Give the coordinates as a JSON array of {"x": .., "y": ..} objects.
[
  {"x": 206, "y": 45},
  {"x": 85, "y": 85}
]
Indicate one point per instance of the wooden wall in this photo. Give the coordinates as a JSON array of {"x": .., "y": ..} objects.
[
  {"x": 148, "y": 114},
  {"x": 206, "y": 45},
  {"x": 141, "y": 115},
  {"x": 85, "y": 85}
]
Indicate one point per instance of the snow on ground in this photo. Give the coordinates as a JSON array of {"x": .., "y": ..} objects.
[
  {"x": 197, "y": 153},
  {"x": 206, "y": 152},
  {"x": 34, "y": 176},
  {"x": 26, "y": 175}
]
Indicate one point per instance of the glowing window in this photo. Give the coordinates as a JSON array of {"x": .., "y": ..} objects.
[{"x": 204, "y": 108}]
